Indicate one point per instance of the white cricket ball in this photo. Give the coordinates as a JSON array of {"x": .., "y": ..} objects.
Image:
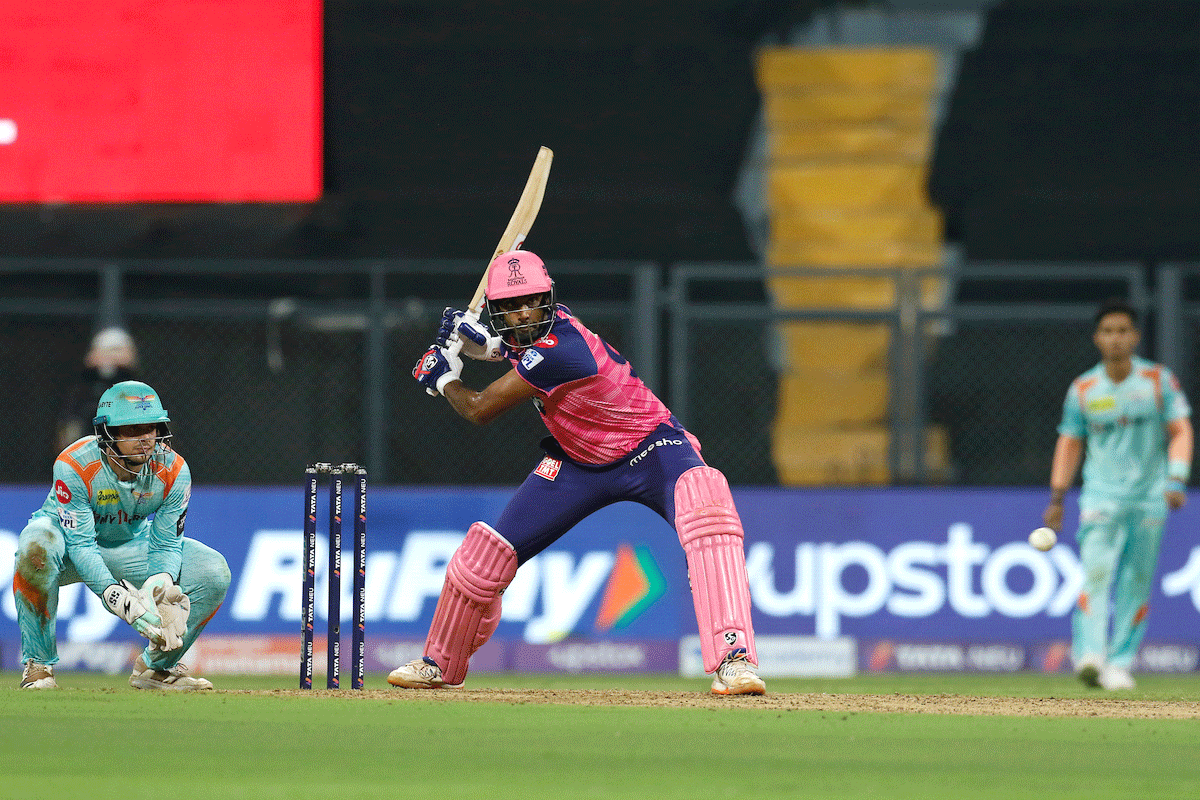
[{"x": 1043, "y": 538}]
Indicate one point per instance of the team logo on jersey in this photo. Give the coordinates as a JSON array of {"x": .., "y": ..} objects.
[
  {"x": 62, "y": 492},
  {"x": 1107, "y": 403},
  {"x": 531, "y": 359},
  {"x": 548, "y": 468},
  {"x": 547, "y": 341},
  {"x": 141, "y": 497},
  {"x": 106, "y": 497}
]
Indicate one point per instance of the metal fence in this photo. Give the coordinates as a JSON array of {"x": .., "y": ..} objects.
[{"x": 266, "y": 366}]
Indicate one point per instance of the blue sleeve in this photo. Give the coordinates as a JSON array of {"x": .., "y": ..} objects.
[
  {"x": 563, "y": 358},
  {"x": 1175, "y": 403},
  {"x": 164, "y": 553},
  {"x": 78, "y": 524},
  {"x": 1073, "y": 422}
]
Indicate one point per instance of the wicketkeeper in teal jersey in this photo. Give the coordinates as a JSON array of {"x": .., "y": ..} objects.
[
  {"x": 1136, "y": 421},
  {"x": 114, "y": 520}
]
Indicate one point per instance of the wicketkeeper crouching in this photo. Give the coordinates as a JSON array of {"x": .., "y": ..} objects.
[{"x": 95, "y": 527}]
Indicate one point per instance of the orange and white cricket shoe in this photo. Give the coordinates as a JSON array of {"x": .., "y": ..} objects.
[
  {"x": 420, "y": 673},
  {"x": 736, "y": 675}
]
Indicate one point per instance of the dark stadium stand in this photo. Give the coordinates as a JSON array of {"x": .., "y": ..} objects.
[
  {"x": 434, "y": 110},
  {"x": 1070, "y": 133}
]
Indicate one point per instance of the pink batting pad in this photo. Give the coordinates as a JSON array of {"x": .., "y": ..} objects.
[
  {"x": 711, "y": 534},
  {"x": 468, "y": 609}
]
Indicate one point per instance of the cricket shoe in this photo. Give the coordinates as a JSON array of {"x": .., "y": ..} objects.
[
  {"x": 1116, "y": 678},
  {"x": 736, "y": 675},
  {"x": 175, "y": 679},
  {"x": 1088, "y": 671},
  {"x": 38, "y": 676},
  {"x": 420, "y": 673}
]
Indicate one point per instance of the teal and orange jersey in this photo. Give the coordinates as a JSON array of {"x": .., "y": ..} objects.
[
  {"x": 92, "y": 509},
  {"x": 1125, "y": 427}
]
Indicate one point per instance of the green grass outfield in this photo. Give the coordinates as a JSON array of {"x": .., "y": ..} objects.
[{"x": 255, "y": 738}]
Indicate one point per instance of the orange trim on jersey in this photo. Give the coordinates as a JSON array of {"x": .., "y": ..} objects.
[
  {"x": 1083, "y": 602},
  {"x": 168, "y": 474},
  {"x": 1155, "y": 374},
  {"x": 1081, "y": 389},
  {"x": 1140, "y": 616},
  {"x": 85, "y": 471}
]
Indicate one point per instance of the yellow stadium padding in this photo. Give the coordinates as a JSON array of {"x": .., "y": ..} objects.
[
  {"x": 845, "y": 140},
  {"x": 817, "y": 398},
  {"x": 822, "y": 456},
  {"x": 841, "y": 291},
  {"x": 847, "y": 185},
  {"x": 909, "y": 68},
  {"x": 848, "y": 348},
  {"x": 827, "y": 456},
  {"x": 854, "y": 254},
  {"x": 836, "y": 105},
  {"x": 914, "y": 225}
]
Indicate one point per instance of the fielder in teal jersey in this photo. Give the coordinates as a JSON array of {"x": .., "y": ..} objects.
[
  {"x": 114, "y": 520},
  {"x": 1136, "y": 422}
]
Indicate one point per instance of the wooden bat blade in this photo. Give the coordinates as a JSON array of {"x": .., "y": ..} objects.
[{"x": 521, "y": 221}]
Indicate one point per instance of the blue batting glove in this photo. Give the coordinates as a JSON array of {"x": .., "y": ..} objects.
[
  {"x": 450, "y": 319},
  {"x": 437, "y": 367}
]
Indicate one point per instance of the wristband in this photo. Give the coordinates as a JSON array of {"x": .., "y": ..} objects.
[
  {"x": 450, "y": 375},
  {"x": 1179, "y": 471}
]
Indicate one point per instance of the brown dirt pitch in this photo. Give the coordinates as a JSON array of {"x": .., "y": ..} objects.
[{"x": 799, "y": 701}]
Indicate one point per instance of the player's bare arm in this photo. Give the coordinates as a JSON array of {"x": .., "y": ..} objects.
[
  {"x": 1180, "y": 444},
  {"x": 1068, "y": 454},
  {"x": 482, "y": 407}
]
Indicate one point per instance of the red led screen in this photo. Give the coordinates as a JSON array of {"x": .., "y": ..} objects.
[{"x": 160, "y": 100}]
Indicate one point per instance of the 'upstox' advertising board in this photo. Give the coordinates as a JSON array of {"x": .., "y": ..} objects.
[{"x": 919, "y": 565}]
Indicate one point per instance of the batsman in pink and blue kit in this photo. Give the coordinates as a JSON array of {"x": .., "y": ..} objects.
[{"x": 611, "y": 439}]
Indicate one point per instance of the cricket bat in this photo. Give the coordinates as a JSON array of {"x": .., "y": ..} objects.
[
  {"x": 520, "y": 223},
  {"x": 514, "y": 234}
]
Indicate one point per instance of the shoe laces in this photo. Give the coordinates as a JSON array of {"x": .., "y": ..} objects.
[
  {"x": 31, "y": 666},
  {"x": 736, "y": 662},
  {"x": 426, "y": 667}
]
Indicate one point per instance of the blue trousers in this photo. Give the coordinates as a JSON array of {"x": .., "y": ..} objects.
[{"x": 559, "y": 492}]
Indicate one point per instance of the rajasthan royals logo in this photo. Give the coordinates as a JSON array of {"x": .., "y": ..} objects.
[
  {"x": 141, "y": 403},
  {"x": 515, "y": 278}
]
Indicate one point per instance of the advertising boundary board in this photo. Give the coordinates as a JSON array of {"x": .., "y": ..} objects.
[{"x": 918, "y": 579}]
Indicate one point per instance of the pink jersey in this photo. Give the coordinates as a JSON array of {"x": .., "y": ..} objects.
[{"x": 591, "y": 400}]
